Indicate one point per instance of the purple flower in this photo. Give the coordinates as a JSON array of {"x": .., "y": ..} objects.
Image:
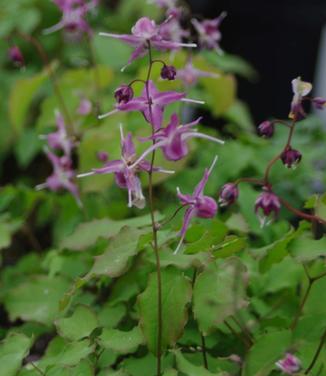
[
  {"x": 16, "y": 56},
  {"x": 153, "y": 108},
  {"x": 300, "y": 90},
  {"x": 198, "y": 204},
  {"x": 291, "y": 157},
  {"x": 267, "y": 207},
  {"x": 146, "y": 31},
  {"x": 59, "y": 140},
  {"x": 126, "y": 171},
  {"x": 190, "y": 75},
  {"x": 319, "y": 103},
  {"x": 168, "y": 72},
  {"x": 172, "y": 30},
  {"x": 173, "y": 139},
  {"x": 266, "y": 129},
  {"x": 208, "y": 32},
  {"x": 123, "y": 94},
  {"x": 290, "y": 364},
  {"x": 85, "y": 107},
  {"x": 229, "y": 194},
  {"x": 73, "y": 16},
  {"x": 62, "y": 177}
]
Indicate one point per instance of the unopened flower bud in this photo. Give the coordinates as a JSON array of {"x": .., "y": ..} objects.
[
  {"x": 168, "y": 72},
  {"x": 266, "y": 129},
  {"x": 289, "y": 365},
  {"x": 102, "y": 156},
  {"x": 16, "y": 56},
  {"x": 319, "y": 103},
  {"x": 291, "y": 157},
  {"x": 123, "y": 94},
  {"x": 267, "y": 207},
  {"x": 229, "y": 194}
]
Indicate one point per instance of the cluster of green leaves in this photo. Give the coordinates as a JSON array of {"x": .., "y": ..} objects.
[{"x": 78, "y": 288}]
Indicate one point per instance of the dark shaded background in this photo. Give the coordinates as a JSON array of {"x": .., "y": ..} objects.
[{"x": 280, "y": 38}]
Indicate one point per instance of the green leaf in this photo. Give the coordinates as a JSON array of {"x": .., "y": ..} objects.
[
  {"x": 120, "y": 341},
  {"x": 305, "y": 248},
  {"x": 239, "y": 114},
  {"x": 171, "y": 372},
  {"x": 86, "y": 234},
  {"x": 183, "y": 261},
  {"x": 176, "y": 294},
  {"x": 190, "y": 369},
  {"x": 220, "y": 93},
  {"x": 285, "y": 274},
  {"x": 219, "y": 292},
  {"x": 20, "y": 99},
  {"x": 110, "y": 315},
  {"x": 63, "y": 353},
  {"x": 310, "y": 327},
  {"x": 27, "y": 146},
  {"x": 79, "y": 325},
  {"x": 267, "y": 349},
  {"x": 13, "y": 349},
  {"x": 230, "y": 63},
  {"x": 115, "y": 260},
  {"x": 36, "y": 299},
  {"x": 231, "y": 245}
]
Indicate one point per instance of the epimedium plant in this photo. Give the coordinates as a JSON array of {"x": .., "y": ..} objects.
[{"x": 120, "y": 292}]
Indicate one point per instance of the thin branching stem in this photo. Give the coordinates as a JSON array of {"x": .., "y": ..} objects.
[
  {"x": 317, "y": 353},
  {"x": 311, "y": 281},
  {"x": 154, "y": 227}
]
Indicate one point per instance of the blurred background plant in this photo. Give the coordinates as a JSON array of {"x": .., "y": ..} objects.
[{"x": 48, "y": 243}]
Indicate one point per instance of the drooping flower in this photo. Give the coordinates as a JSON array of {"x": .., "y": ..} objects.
[
  {"x": 173, "y": 139},
  {"x": 126, "y": 172},
  {"x": 289, "y": 365},
  {"x": 60, "y": 140},
  {"x": 74, "y": 14},
  {"x": 173, "y": 30},
  {"x": 168, "y": 72},
  {"x": 123, "y": 94},
  {"x": 146, "y": 32},
  {"x": 85, "y": 107},
  {"x": 266, "y": 129},
  {"x": 198, "y": 204},
  {"x": 189, "y": 75},
  {"x": 208, "y": 32},
  {"x": 291, "y": 157},
  {"x": 151, "y": 104},
  {"x": 300, "y": 90},
  {"x": 229, "y": 194},
  {"x": 62, "y": 177},
  {"x": 267, "y": 207},
  {"x": 16, "y": 56}
]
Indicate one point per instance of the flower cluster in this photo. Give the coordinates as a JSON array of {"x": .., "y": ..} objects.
[
  {"x": 268, "y": 204},
  {"x": 73, "y": 19},
  {"x": 63, "y": 175},
  {"x": 172, "y": 138},
  {"x": 207, "y": 30}
]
